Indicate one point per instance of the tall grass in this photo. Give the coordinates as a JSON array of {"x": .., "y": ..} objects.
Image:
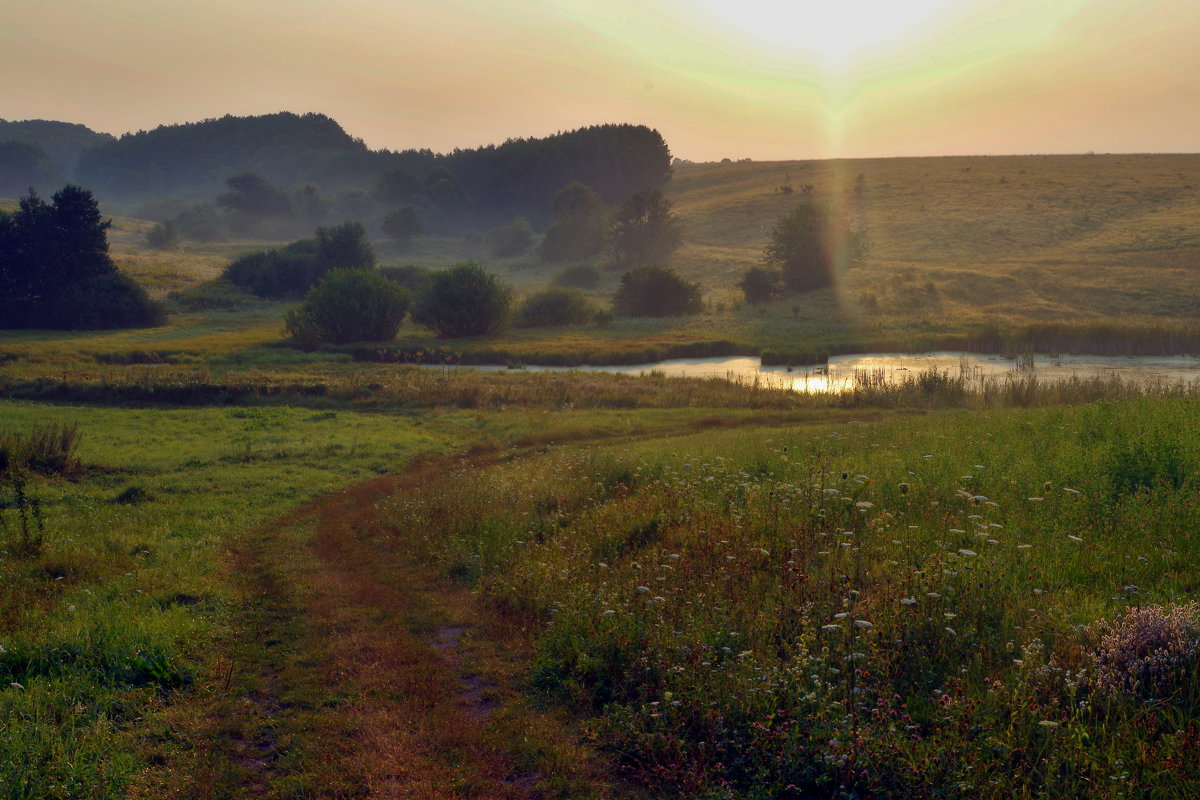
[{"x": 913, "y": 608}]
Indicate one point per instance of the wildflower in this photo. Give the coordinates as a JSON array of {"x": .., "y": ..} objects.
[
  {"x": 908, "y": 601},
  {"x": 16, "y": 685},
  {"x": 609, "y": 613},
  {"x": 831, "y": 627},
  {"x": 1048, "y": 723},
  {"x": 841, "y": 615},
  {"x": 1071, "y": 491},
  {"x": 1024, "y": 546},
  {"x": 951, "y": 631},
  {"x": 957, "y": 530},
  {"x": 862, "y": 623},
  {"x": 643, "y": 588},
  {"x": 1074, "y": 538},
  {"x": 864, "y": 504},
  {"x": 966, "y": 552},
  {"x": 1035, "y": 499},
  {"x": 977, "y": 499},
  {"x": 934, "y": 595}
]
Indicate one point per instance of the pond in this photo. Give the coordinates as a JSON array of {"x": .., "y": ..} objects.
[{"x": 842, "y": 372}]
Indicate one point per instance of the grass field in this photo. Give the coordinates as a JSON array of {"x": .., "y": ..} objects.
[
  {"x": 1010, "y": 254},
  {"x": 265, "y": 572}
]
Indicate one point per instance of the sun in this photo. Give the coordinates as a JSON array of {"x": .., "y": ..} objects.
[{"x": 834, "y": 32}]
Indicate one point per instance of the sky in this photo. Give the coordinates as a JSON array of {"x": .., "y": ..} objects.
[{"x": 761, "y": 79}]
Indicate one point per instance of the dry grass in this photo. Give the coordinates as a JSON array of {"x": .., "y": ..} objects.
[{"x": 1025, "y": 237}]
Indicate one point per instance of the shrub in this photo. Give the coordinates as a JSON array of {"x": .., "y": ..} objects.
[
  {"x": 465, "y": 300},
  {"x": 283, "y": 272},
  {"x": 354, "y": 305},
  {"x": 653, "y": 291},
  {"x": 761, "y": 285},
  {"x": 163, "y": 236},
  {"x": 510, "y": 240},
  {"x": 559, "y": 306},
  {"x": 581, "y": 276},
  {"x": 344, "y": 246},
  {"x": 107, "y": 301}
]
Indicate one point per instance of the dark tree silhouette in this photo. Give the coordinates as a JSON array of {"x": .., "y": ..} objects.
[{"x": 55, "y": 270}]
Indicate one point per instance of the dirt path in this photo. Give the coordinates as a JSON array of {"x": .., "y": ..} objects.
[{"x": 357, "y": 671}]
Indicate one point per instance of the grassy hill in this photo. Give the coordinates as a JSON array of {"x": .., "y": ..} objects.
[{"x": 1039, "y": 237}]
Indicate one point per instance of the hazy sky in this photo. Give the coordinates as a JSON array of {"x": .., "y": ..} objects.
[{"x": 739, "y": 78}]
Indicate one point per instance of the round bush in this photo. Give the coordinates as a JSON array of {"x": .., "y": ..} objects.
[
  {"x": 465, "y": 300},
  {"x": 553, "y": 307},
  {"x": 654, "y": 291},
  {"x": 351, "y": 305}
]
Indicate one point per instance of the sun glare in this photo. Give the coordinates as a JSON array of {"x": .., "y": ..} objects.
[{"x": 833, "y": 33}]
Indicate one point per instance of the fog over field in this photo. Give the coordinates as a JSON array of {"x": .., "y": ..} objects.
[{"x": 577, "y": 400}]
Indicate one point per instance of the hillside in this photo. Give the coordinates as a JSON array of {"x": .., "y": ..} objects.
[{"x": 1031, "y": 236}]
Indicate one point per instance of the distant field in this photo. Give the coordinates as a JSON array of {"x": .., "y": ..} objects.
[
  {"x": 965, "y": 253},
  {"x": 1025, "y": 236}
]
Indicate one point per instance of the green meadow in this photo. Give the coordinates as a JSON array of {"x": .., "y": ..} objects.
[{"x": 249, "y": 570}]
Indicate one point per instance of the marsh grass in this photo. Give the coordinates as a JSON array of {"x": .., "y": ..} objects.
[
  {"x": 909, "y": 607},
  {"x": 121, "y": 607}
]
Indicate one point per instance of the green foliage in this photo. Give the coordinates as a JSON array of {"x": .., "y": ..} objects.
[
  {"x": 279, "y": 273},
  {"x": 350, "y": 305},
  {"x": 105, "y": 302},
  {"x": 558, "y": 306},
  {"x": 644, "y": 230},
  {"x": 402, "y": 225},
  {"x": 55, "y": 270},
  {"x": 510, "y": 240},
  {"x": 344, "y": 246},
  {"x": 465, "y": 300},
  {"x": 46, "y": 450},
  {"x": 293, "y": 270},
  {"x": 761, "y": 285},
  {"x": 201, "y": 223},
  {"x": 580, "y": 276},
  {"x": 164, "y": 236},
  {"x": 808, "y": 245},
  {"x": 654, "y": 291},
  {"x": 934, "y": 607},
  {"x": 580, "y": 225}
]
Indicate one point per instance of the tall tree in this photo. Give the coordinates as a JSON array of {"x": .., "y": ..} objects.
[
  {"x": 55, "y": 270},
  {"x": 644, "y": 230}
]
